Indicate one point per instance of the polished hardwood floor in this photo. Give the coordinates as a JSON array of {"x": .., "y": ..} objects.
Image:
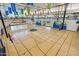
[{"x": 43, "y": 42}]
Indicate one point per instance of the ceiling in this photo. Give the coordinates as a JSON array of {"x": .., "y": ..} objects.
[
  {"x": 43, "y": 6},
  {"x": 38, "y": 6}
]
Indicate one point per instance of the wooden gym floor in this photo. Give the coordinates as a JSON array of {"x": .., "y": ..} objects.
[{"x": 43, "y": 43}]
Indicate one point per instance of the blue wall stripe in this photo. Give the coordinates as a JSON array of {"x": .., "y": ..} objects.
[
  {"x": 9, "y": 9},
  {"x": 6, "y": 12},
  {"x": 13, "y": 7}
]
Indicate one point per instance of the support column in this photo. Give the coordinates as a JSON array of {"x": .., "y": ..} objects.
[
  {"x": 3, "y": 24},
  {"x": 65, "y": 9}
]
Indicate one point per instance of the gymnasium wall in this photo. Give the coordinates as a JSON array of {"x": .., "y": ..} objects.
[{"x": 71, "y": 25}]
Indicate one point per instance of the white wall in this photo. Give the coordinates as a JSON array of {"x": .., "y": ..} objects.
[
  {"x": 71, "y": 25},
  {"x": 18, "y": 27}
]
